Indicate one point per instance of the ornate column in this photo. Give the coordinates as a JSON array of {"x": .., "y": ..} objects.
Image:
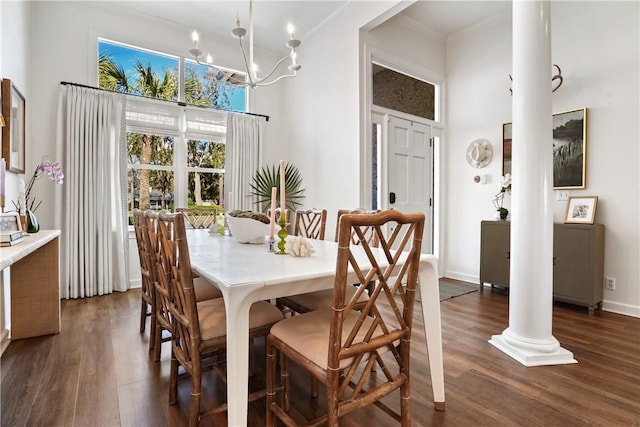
[{"x": 528, "y": 339}]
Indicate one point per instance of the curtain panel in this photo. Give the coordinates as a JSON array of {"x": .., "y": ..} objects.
[
  {"x": 242, "y": 159},
  {"x": 92, "y": 211}
]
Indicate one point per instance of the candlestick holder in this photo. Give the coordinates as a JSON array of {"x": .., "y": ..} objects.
[
  {"x": 282, "y": 234},
  {"x": 271, "y": 244}
]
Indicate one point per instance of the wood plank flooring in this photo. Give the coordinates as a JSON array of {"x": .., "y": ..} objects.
[{"x": 97, "y": 372}]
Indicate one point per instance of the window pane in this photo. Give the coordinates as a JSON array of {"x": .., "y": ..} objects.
[
  {"x": 132, "y": 70},
  {"x": 400, "y": 92},
  {"x": 205, "y": 189},
  {"x": 205, "y": 154},
  {"x": 150, "y": 189},
  {"x": 207, "y": 90},
  {"x": 149, "y": 149}
]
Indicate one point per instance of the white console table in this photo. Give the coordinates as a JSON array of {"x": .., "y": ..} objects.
[{"x": 34, "y": 266}]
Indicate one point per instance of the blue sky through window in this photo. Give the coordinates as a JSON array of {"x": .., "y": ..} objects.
[{"x": 126, "y": 57}]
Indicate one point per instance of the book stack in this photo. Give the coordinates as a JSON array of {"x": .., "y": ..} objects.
[{"x": 10, "y": 238}]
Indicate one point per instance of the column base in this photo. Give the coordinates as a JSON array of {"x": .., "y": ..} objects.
[{"x": 530, "y": 356}]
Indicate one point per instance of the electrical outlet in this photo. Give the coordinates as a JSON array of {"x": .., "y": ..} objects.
[
  {"x": 610, "y": 283},
  {"x": 562, "y": 195}
]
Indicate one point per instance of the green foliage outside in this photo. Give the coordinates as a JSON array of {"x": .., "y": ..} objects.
[{"x": 149, "y": 149}]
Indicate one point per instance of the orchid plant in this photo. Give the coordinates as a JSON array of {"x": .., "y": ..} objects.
[
  {"x": 498, "y": 199},
  {"x": 52, "y": 170}
]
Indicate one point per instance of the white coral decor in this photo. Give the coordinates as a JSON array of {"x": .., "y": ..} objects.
[{"x": 299, "y": 246}]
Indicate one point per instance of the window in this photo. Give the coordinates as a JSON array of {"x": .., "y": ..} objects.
[
  {"x": 400, "y": 92},
  {"x": 175, "y": 152}
]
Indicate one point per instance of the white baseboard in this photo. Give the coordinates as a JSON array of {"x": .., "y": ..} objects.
[
  {"x": 135, "y": 283},
  {"x": 462, "y": 276},
  {"x": 620, "y": 308}
]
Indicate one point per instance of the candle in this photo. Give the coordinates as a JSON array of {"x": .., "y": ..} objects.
[
  {"x": 272, "y": 213},
  {"x": 229, "y": 202},
  {"x": 282, "y": 198}
]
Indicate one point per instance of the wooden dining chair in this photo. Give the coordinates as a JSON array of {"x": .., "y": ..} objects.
[
  {"x": 147, "y": 273},
  {"x": 199, "y": 216},
  {"x": 204, "y": 290},
  {"x": 310, "y": 223},
  {"x": 339, "y": 346},
  {"x": 310, "y": 301},
  {"x": 198, "y": 328}
]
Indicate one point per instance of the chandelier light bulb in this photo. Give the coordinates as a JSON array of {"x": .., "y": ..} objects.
[{"x": 251, "y": 79}]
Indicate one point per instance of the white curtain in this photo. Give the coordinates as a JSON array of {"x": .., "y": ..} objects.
[
  {"x": 92, "y": 215},
  {"x": 243, "y": 151}
]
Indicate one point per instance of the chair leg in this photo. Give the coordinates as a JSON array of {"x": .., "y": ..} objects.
[
  {"x": 194, "y": 409},
  {"x": 271, "y": 389},
  {"x": 405, "y": 404},
  {"x": 252, "y": 358},
  {"x": 152, "y": 331},
  {"x": 284, "y": 379},
  {"x": 157, "y": 342},
  {"x": 143, "y": 316},
  {"x": 173, "y": 380}
]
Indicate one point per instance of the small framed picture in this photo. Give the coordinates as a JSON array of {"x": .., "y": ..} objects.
[
  {"x": 581, "y": 210},
  {"x": 10, "y": 223}
]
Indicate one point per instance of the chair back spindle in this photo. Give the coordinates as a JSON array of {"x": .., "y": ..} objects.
[{"x": 310, "y": 223}]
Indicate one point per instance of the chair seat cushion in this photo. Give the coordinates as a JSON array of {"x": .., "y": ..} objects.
[
  {"x": 205, "y": 290},
  {"x": 323, "y": 299},
  {"x": 213, "y": 323},
  {"x": 308, "y": 334}
]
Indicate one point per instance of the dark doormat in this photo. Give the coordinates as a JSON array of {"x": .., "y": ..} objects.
[{"x": 451, "y": 289}]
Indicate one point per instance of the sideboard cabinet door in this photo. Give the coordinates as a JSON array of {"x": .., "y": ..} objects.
[
  {"x": 578, "y": 272},
  {"x": 494, "y": 252}
]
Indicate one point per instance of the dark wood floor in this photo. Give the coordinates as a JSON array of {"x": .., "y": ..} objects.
[{"x": 97, "y": 373}]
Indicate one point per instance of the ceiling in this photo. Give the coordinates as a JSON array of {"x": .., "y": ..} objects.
[{"x": 444, "y": 17}]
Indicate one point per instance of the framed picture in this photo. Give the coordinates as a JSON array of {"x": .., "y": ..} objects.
[
  {"x": 506, "y": 148},
  {"x": 581, "y": 210},
  {"x": 569, "y": 149},
  {"x": 13, "y": 134},
  {"x": 9, "y": 223}
]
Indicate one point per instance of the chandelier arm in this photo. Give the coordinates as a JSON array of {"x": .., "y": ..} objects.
[
  {"x": 251, "y": 83},
  {"x": 225, "y": 73},
  {"x": 273, "y": 70},
  {"x": 262, "y": 83}
]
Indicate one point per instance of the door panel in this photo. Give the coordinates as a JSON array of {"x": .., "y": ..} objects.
[{"x": 410, "y": 171}]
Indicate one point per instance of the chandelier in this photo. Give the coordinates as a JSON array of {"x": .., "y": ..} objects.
[{"x": 252, "y": 79}]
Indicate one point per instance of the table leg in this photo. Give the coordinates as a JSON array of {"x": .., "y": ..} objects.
[
  {"x": 430, "y": 292},
  {"x": 237, "y": 358}
]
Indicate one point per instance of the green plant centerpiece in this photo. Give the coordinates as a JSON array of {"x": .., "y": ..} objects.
[{"x": 269, "y": 177}]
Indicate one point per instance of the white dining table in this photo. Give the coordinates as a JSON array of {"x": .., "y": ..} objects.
[{"x": 246, "y": 273}]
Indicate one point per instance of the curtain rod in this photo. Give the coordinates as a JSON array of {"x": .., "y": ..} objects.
[{"x": 180, "y": 103}]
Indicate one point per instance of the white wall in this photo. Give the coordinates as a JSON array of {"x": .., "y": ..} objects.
[
  {"x": 323, "y": 111},
  {"x": 597, "y": 46}
]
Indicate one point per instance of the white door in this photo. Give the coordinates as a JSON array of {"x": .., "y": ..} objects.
[{"x": 410, "y": 172}]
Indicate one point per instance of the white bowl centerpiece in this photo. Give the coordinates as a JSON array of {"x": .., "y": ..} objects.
[{"x": 248, "y": 226}]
